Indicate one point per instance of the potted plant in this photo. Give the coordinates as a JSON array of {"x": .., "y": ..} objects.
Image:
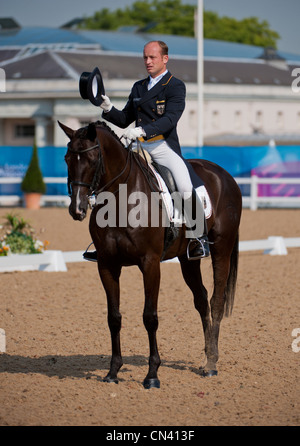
[{"x": 33, "y": 184}]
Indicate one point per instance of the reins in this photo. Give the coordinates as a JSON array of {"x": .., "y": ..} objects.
[
  {"x": 146, "y": 171},
  {"x": 111, "y": 182},
  {"x": 92, "y": 187}
]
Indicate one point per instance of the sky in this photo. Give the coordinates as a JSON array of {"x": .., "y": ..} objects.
[{"x": 282, "y": 15}]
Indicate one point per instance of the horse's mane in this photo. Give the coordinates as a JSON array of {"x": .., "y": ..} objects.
[{"x": 81, "y": 133}]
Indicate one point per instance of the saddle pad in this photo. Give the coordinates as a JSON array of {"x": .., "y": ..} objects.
[{"x": 167, "y": 199}]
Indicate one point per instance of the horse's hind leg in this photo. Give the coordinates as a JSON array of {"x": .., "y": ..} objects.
[
  {"x": 110, "y": 279},
  {"x": 211, "y": 315},
  {"x": 192, "y": 276},
  {"x": 151, "y": 276},
  {"x": 221, "y": 271}
]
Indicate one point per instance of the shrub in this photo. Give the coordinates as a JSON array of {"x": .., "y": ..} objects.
[
  {"x": 33, "y": 179},
  {"x": 18, "y": 237}
]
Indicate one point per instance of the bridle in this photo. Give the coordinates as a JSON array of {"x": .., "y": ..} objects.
[{"x": 91, "y": 186}]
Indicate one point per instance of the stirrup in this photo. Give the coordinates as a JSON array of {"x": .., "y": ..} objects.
[
  {"x": 90, "y": 256},
  {"x": 204, "y": 249}
]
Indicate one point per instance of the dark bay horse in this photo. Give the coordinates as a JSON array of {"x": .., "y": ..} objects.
[{"x": 98, "y": 162}]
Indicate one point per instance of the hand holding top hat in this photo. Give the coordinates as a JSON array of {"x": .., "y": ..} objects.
[{"x": 91, "y": 87}]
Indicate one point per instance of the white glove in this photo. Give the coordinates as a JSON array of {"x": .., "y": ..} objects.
[
  {"x": 106, "y": 104},
  {"x": 137, "y": 132}
]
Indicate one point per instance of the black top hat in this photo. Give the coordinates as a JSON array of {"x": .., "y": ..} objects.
[{"x": 91, "y": 86}]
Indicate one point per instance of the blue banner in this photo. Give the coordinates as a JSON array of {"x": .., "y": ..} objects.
[
  {"x": 245, "y": 161},
  {"x": 14, "y": 162},
  {"x": 240, "y": 161},
  {"x": 263, "y": 161}
]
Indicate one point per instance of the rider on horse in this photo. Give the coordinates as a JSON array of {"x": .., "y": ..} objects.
[{"x": 155, "y": 105}]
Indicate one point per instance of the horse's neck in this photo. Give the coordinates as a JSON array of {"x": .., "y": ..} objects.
[
  {"x": 115, "y": 157},
  {"x": 113, "y": 151}
]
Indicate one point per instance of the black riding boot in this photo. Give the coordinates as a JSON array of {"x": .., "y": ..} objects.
[{"x": 198, "y": 246}]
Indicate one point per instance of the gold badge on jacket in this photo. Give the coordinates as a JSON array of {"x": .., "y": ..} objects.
[{"x": 160, "y": 107}]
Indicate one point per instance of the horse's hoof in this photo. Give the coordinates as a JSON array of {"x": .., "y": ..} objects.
[
  {"x": 208, "y": 373},
  {"x": 151, "y": 383},
  {"x": 107, "y": 379}
]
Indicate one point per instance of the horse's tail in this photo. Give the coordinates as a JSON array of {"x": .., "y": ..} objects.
[{"x": 232, "y": 278}]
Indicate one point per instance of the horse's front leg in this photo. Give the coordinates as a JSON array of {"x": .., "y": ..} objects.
[
  {"x": 110, "y": 279},
  {"x": 151, "y": 276}
]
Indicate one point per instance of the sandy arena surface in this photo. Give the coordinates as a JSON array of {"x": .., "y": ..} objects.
[{"x": 58, "y": 342}]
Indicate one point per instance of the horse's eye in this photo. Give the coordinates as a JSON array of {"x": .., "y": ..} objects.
[{"x": 92, "y": 159}]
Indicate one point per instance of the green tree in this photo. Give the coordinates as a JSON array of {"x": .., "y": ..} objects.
[
  {"x": 173, "y": 17},
  {"x": 156, "y": 16},
  {"x": 248, "y": 31}
]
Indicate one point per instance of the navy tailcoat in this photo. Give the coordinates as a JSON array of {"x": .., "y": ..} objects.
[{"x": 157, "y": 111}]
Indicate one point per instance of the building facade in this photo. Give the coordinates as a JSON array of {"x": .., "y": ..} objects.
[{"x": 248, "y": 95}]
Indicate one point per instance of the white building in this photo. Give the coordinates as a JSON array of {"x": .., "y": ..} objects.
[{"x": 248, "y": 95}]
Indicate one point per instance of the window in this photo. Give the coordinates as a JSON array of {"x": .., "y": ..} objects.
[
  {"x": 258, "y": 121},
  {"x": 24, "y": 131},
  {"x": 193, "y": 119},
  {"x": 280, "y": 120},
  {"x": 215, "y": 119},
  {"x": 237, "y": 119}
]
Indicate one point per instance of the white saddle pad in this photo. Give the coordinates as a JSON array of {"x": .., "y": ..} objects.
[{"x": 167, "y": 199}]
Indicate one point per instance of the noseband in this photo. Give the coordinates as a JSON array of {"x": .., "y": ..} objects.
[{"x": 91, "y": 186}]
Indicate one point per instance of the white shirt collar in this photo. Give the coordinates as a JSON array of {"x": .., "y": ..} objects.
[{"x": 155, "y": 80}]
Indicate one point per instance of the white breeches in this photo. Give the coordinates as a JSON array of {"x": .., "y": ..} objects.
[{"x": 162, "y": 153}]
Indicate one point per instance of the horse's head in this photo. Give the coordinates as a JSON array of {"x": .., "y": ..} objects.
[{"x": 83, "y": 159}]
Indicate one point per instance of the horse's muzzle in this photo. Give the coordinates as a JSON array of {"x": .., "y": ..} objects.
[{"x": 79, "y": 215}]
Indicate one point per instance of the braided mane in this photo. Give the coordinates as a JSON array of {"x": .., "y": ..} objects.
[{"x": 81, "y": 133}]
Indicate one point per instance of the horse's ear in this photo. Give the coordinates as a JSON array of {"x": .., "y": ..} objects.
[
  {"x": 69, "y": 132},
  {"x": 91, "y": 132}
]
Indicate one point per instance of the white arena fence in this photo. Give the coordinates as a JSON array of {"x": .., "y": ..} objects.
[
  {"x": 15, "y": 200},
  {"x": 56, "y": 261},
  {"x": 253, "y": 201}
]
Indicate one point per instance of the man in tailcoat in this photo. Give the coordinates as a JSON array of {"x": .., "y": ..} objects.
[{"x": 156, "y": 104}]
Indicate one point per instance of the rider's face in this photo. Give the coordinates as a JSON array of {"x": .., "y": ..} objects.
[{"x": 155, "y": 62}]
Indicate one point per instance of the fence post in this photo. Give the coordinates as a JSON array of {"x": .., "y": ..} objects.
[
  {"x": 2, "y": 341},
  {"x": 253, "y": 193}
]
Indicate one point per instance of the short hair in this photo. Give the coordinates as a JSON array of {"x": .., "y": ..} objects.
[{"x": 163, "y": 46}]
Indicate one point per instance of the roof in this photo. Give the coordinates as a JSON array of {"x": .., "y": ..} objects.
[
  {"x": 50, "y": 53},
  {"x": 39, "y": 35},
  {"x": 8, "y": 23},
  {"x": 40, "y": 66},
  {"x": 64, "y": 65},
  {"x": 126, "y": 41}
]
